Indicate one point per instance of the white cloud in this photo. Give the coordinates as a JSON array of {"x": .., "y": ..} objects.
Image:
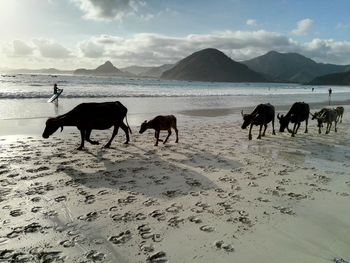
[
  {"x": 251, "y": 22},
  {"x": 108, "y": 9},
  {"x": 91, "y": 49},
  {"x": 147, "y": 49},
  {"x": 51, "y": 49},
  {"x": 302, "y": 27},
  {"x": 20, "y": 48}
]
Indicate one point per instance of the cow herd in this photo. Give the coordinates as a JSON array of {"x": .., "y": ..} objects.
[
  {"x": 299, "y": 112},
  {"x": 100, "y": 116}
]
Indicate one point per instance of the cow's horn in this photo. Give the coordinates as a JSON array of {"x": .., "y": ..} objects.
[
  {"x": 242, "y": 113},
  {"x": 61, "y": 128}
]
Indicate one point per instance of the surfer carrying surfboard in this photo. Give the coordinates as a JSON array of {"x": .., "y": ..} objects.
[{"x": 56, "y": 92}]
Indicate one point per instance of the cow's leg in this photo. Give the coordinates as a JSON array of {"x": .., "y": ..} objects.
[
  {"x": 306, "y": 123},
  {"x": 298, "y": 126},
  {"x": 250, "y": 132},
  {"x": 319, "y": 130},
  {"x": 126, "y": 130},
  {"x": 294, "y": 129},
  {"x": 115, "y": 132},
  {"x": 259, "y": 137},
  {"x": 329, "y": 125},
  {"x": 177, "y": 135},
  {"x": 82, "y": 133},
  {"x": 341, "y": 118},
  {"x": 265, "y": 127},
  {"x": 335, "y": 125},
  {"x": 273, "y": 126},
  {"x": 169, "y": 133},
  {"x": 157, "y": 138},
  {"x": 87, "y": 137}
]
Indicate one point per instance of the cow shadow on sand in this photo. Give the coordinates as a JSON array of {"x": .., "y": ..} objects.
[{"x": 165, "y": 171}]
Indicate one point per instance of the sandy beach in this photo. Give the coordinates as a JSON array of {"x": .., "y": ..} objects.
[{"x": 213, "y": 197}]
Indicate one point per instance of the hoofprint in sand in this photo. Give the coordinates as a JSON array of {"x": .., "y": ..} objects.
[{"x": 214, "y": 197}]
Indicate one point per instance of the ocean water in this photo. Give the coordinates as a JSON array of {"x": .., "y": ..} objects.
[{"x": 23, "y": 97}]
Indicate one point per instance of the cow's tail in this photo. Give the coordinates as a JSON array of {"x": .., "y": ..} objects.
[{"x": 126, "y": 119}]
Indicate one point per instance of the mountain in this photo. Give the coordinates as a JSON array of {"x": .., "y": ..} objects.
[
  {"x": 291, "y": 67},
  {"x": 107, "y": 69},
  {"x": 156, "y": 72},
  {"x": 152, "y": 72},
  {"x": 341, "y": 79},
  {"x": 136, "y": 70},
  {"x": 37, "y": 71},
  {"x": 211, "y": 65}
]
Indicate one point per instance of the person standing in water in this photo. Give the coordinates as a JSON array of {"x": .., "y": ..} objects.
[
  {"x": 329, "y": 96},
  {"x": 55, "y": 89}
]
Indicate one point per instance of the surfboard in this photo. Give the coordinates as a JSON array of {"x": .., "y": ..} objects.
[{"x": 55, "y": 96}]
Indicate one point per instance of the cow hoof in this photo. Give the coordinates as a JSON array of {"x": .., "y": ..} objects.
[
  {"x": 259, "y": 137},
  {"x": 126, "y": 142},
  {"x": 250, "y": 137},
  {"x": 293, "y": 135},
  {"x": 156, "y": 144},
  {"x": 107, "y": 146},
  {"x": 273, "y": 133},
  {"x": 176, "y": 141},
  {"x": 80, "y": 148}
]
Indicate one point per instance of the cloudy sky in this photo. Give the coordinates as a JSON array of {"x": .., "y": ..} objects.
[{"x": 69, "y": 34}]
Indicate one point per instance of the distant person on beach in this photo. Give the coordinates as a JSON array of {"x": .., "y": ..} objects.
[
  {"x": 313, "y": 89},
  {"x": 55, "y": 89},
  {"x": 329, "y": 96}
]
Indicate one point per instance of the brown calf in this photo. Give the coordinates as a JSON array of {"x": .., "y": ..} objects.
[{"x": 161, "y": 123}]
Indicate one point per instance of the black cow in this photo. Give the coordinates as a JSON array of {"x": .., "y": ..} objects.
[
  {"x": 340, "y": 112},
  {"x": 89, "y": 116},
  {"x": 298, "y": 113},
  {"x": 261, "y": 115},
  {"x": 161, "y": 123},
  {"x": 328, "y": 116}
]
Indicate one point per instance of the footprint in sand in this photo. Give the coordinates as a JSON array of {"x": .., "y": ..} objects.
[
  {"x": 150, "y": 201},
  {"x": 16, "y": 212},
  {"x": 195, "y": 219},
  {"x": 207, "y": 228},
  {"x": 61, "y": 198},
  {"x": 159, "y": 215},
  {"x": 32, "y": 228},
  {"x": 221, "y": 245},
  {"x": 147, "y": 248},
  {"x": 94, "y": 256},
  {"x": 67, "y": 243},
  {"x": 126, "y": 217},
  {"x": 89, "y": 217},
  {"x": 175, "y": 221},
  {"x": 121, "y": 238},
  {"x": 128, "y": 200},
  {"x": 159, "y": 257},
  {"x": 174, "y": 208},
  {"x": 89, "y": 199}
]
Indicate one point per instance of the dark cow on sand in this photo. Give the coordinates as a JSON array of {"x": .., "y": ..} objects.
[
  {"x": 161, "y": 123},
  {"x": 261, "y": 115},
  {"x": 340, "y": 112},
  {"x": 91, "y": 116},
  {"x": 329, "y": 116},
  {"x": 298, "y": 113}
]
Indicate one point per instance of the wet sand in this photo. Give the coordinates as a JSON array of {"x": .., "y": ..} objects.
[{"x": 213, "y": 197}]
